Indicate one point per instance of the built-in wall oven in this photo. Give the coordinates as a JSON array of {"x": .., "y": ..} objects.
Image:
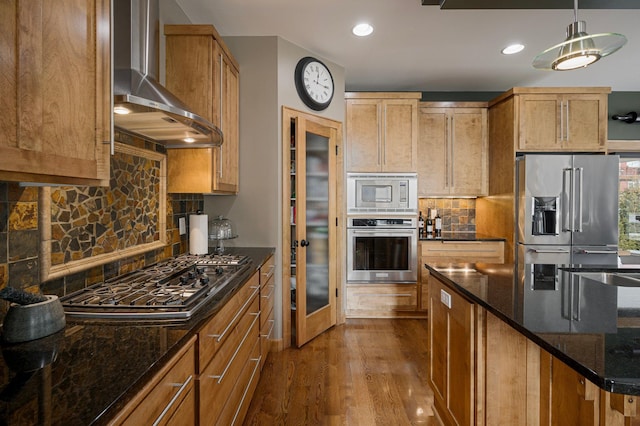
[{"x": 382, "y": 249}]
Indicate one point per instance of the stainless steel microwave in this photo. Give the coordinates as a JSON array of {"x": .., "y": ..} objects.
[{"x": 391, "y": 193}]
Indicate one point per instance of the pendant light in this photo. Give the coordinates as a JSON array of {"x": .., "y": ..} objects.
[{"x": 579, "y": 49}]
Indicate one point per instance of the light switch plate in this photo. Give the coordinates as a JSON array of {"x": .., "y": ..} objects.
[
  {"x": 182, "y": 224},
  {"x": 445, "y": 298}
]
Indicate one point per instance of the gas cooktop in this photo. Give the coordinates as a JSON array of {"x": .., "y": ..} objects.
[{"x": 171, "y": 289}]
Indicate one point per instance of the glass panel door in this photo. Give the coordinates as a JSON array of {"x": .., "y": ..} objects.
[{"x": 317, "y": 225}]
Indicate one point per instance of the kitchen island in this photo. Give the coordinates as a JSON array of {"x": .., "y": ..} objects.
[
  {"x": 89, "y": 371},
  {"x": 506, "y": 352}
]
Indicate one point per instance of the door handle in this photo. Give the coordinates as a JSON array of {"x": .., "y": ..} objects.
[{"x": 304, "y": 243}]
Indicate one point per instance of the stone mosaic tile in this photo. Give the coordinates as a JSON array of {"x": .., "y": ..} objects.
[
  {"x": 4, "y": 247},
  {"x": 23, "y": 215},
  {"x": 24, "y": 274},
  {"x": 15, "y": 192},
  {"x": 24, "y": 244},
  {"x": 458, "y": 214},
  {"x": 88, "y": 221}
]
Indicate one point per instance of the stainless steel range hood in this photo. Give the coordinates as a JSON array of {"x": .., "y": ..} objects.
[{"x": 142, "y": 106}]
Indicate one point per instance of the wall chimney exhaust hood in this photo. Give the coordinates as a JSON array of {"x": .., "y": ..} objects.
[{"x": 142, "y": 106}]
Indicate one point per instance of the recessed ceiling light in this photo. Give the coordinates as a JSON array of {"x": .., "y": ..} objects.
[
  {"x": 362, "y": 30},
  {"x": 189, "y": 140},
  {"x": 513, "y": 48}
]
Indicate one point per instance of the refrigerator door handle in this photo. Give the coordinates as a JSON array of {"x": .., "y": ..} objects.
[
  {"x": 566, "y": 295},
  {"x": 579, "y": 174},
  {"x": 567, "y": 188},
  {"x": 597, "y": 252},
  {"x": 549, "y": 250}
]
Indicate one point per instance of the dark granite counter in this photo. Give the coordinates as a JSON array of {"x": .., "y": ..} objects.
[
  {"x": 600, "y": 339},
  {"x": 87, "y": 372}
]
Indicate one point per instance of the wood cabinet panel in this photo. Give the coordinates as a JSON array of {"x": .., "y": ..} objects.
[
  {"x": 267, "y": 300},
  {"x": 169, "y": 392},
  {"x": 55, "y": 129},
  {"x": 462, "y": 252},
  {"x": 214, "y": 334},
  {"x": 210, "y": 85},
  {"x": 569, "y": 397},
  {"x": 561, "y": 119},
  {"x": 451, "y": 344},
  {"x": 219, "y": 378},
  {"x": 452, "y": 145},
  {"x": 240, "y": 397},
  {"x": 381, "y": 300},
  {"x": 381, "y": 132}
]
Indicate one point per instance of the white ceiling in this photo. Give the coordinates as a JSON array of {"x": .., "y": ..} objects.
[{"x": 424, "y": 48}]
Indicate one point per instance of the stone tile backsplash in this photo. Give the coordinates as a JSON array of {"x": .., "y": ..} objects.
[
  {"x": 458, "y": 214},
  {"x": 20, "y": 235}
]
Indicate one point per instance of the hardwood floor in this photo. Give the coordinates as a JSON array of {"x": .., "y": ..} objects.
[{"x": 364, "y": 372}]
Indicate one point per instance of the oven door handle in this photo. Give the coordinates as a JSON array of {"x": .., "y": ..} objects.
[{"x": 384, "y": 233}]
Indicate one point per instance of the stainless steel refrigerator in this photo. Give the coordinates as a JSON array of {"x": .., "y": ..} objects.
[
  {"x": 568, "y": 205},
  {"x": 567, "y": 214}
]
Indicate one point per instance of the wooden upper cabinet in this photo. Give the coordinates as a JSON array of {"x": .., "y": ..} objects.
[
  {"x": 55, "y": 91},
  {"x": 452, "y": 147},
  {"x": 201, "y": 71},
  {"x": 382, "y": 131},
  {"x": 572, "y": 119}
]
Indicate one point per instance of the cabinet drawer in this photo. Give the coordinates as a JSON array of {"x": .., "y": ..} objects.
[
  {"x": 236, "y": 407},
  {"x": 372, "y": 300},
  {"x": 267, "y": 270},
  {"x": 462, "y": 251},
  {"x": 216, "y": 331},
  {"x": 267, "y": 299},
  {"x": 165, "y": 393},
  {"x": 218, "y": 379},
  {"x": 266, "y": 335}
]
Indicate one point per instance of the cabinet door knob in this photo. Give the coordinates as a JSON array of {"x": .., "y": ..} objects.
[{"x": 304, "y": 243}]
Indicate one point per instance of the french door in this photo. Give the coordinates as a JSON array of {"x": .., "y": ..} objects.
[{"x": 312, "y": 186}]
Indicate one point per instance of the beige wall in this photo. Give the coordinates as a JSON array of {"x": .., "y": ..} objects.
[{"x": 267, "y": 66}]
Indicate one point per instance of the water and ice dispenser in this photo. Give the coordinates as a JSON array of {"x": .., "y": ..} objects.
[{"x": 545, "y": 215}]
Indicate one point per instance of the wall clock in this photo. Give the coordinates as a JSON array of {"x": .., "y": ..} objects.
[{"x": 314, "y": 83}]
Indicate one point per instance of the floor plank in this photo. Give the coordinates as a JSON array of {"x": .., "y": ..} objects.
[{"x": 365, "y": 372}]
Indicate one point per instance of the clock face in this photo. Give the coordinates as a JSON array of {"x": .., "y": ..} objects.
[{"x": 314, "y": 83}]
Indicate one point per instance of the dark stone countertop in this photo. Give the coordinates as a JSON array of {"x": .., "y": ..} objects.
[
  {"x": 463, "y": 236},
  {"x": 603, "y": 344},
  {"x": 88, "y": 371}
]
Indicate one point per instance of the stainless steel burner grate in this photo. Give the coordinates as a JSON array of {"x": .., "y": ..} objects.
[{"x": 175, "y": 288}]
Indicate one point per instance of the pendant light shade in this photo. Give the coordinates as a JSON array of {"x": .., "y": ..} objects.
[{"x": 579, "y": 49}]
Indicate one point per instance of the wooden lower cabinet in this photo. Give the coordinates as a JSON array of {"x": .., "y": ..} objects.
[
  {"x": 444, "y": 252},
  {"x": 168, "y": 398},
  {"x": 267, "y": 300},
  {"x": 382, "y": 300},
  {"x": 451, "y": 348},
  {"x": 228, "y": 366},
  {"x": 211, "y": 380},
  {"x": 462, "y": 251},
  {"x": 485, "y": 372}
]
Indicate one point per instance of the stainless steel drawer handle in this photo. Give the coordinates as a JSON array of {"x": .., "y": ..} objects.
[
  {"x": 390, "y": 294},
  {"x": 246, "y": 389},
  {"x": 268, "y": 296},
  {"x": 219, "y": 337},
  {"x": 182, "y": 387},
  {"x": 269, "y": 274},
  {"x": 268, "y": 335},
  {"x": 220, "y": 377}
]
